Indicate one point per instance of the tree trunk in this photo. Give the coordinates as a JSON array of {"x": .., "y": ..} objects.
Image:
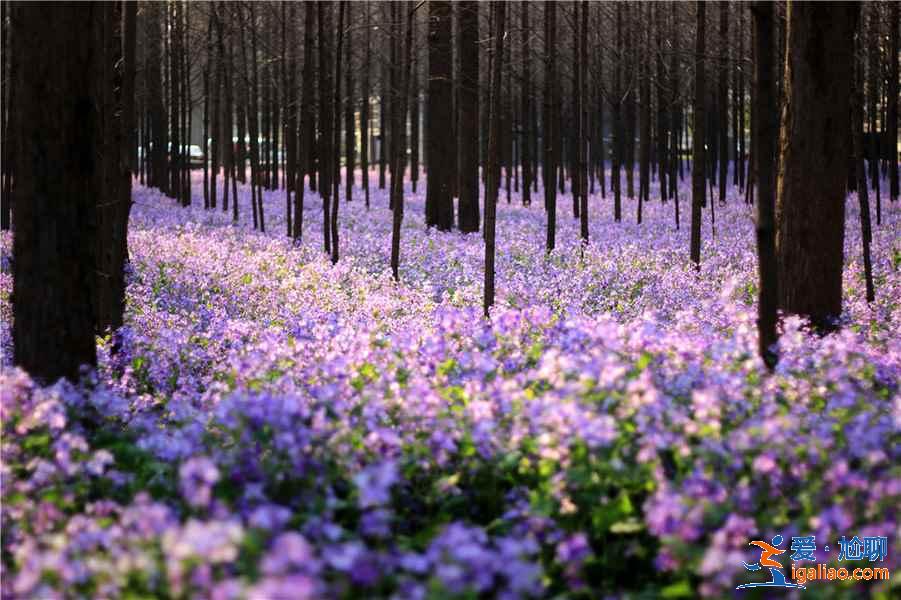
[
  {"x": 525, "y": 109},
  {"x": 468, "y": 113},
  {"x": 810, "y": 205},
  {"x": 550, "y": 91},
  {"x": 401, "y": 116},
  {"x": 364, "y": 109},
  {"x": 698, "y": 161},
  {"x": 644, "y": 192},
  {"x": 765, "y": 139},
  {"x": 583, "y": 125},
  {"x": 860, "y": 168},
  {"x": 336, "y": 141},
  {"x": 325, "y": 118},
  {"x": 723, "y": 102},
  {"x": 616, "y": 179},
  {"x": 439, "y": 204},
  {"x": 894, "y": 24},
  {"x": 58, "y": 143},
  {"x": 307, "y": 127},
  {"x": 349, "y": 132},
  {"x": 493, "y": 153}
]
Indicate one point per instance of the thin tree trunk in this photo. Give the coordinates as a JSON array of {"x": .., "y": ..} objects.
[
  {"x": 349, "y": 132},
  {"x": 550, "y": 90},
  {"x": 325, "y": 119},
  {"x": 698, "y": 160},
  {"x": 765, "y": 138},
  {"x": 401, "y": 116},
  {"x": 365, "y": 108},
  {"x": 468, "y": 112},
  {"x": 860, "y": 168},
  {"x": 493, "y": 152},
  {"x": 336, "y": 146}
]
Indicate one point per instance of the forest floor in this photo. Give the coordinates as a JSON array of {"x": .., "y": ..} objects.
[{"x": 278, "y": 427}]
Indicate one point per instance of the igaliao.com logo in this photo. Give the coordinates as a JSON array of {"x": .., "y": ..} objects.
[{"x": 872, "y": 548}]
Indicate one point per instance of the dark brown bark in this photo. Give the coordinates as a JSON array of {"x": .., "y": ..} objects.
[
  {"x": 58, "y": 167},
  {"x": 810, "y": 204},
  {"x": 439, "y": 204},
  {"x": 365, "y": 107},
  {"x": 401, "y": 117},
  {"x": 7, "y": 60},
  {"x": 154, "y": 86},
  {"x": 414, "y": 119},
  {"x": 860, "y": 168},
  {"x": 349, "y": 131},
  {"x": 326, "y": 122},
  {"x": 582, "y": 115},
  {"x": 894, "y": 54},
  {"x": 765, "y": 139},
  {"x": 644, "y": 132},
  {"x": 698, "y": 160},
  {"x": 550, "y": 91},
  {"x": 493, "y": 152},
  {"x": 526, "y": 107},
  {"x": 336, "y": 145},
  {"x": 468, "y": 112},
  {"x": 307, "y": 126},
  {"x": 723, "y": 102},
  {"x": 617, "y": 106}
]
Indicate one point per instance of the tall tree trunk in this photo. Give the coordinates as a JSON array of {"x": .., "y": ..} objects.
[
  {"x": 307, "y": 126},
  {"x": 765, "y": 139},
  {"x": 365, "y": 108},
  {"x": 397, "y": 183},
  {"x": 549, "y": 135},
  {"x": 723, "y": 102},
  {"x": 493, "y": 152},
  {"x": 468, "y": 113},
  {"x": 336, "y": 141},
  {"x": 894, "y": 54},
  {"x": 698, "y": 160},
  {"x": 439, "y": 204},
  {"x": 810, "y": 204},
  {"x": 660, "y": 91},
  {"x": 616, "y": 179},
  {"x": 9, "y": 96},
  {"x": 325, "y": 118},
  {"x": 158, "y": 127},
  {"x": 174, "y": 148},
  {"x": 526, "y": 107},
  {"x": 644, "y": 132},
  {"x": 349, "y": 132},
  {"x": 860, "y": 169},
  {"x": 675, "y": 120},
  {"x": 58, "y": 139},
  {"x": 414, "y": 119},
  {"x": 583, "y": 124}
]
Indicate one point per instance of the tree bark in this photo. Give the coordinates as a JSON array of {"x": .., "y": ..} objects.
[
  {"x": 59, "y": 163},
  {"x": 810, "y": 204},
  {"x": 468, "y": 113},
  {"x": 860, "y": 168},
  {"x": 549, "y": 134},
  {"x": 401, "y": 116},
  {"x": 526, "y": 107},
  {"x": 439, "y": 204},
  {"x": 493, "y": 153},
  {"x": 698, "y": 161},
  {"x": 765, "y": 139}
]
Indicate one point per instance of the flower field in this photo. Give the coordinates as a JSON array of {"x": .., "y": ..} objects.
[{"x": 274, "y": 426}]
